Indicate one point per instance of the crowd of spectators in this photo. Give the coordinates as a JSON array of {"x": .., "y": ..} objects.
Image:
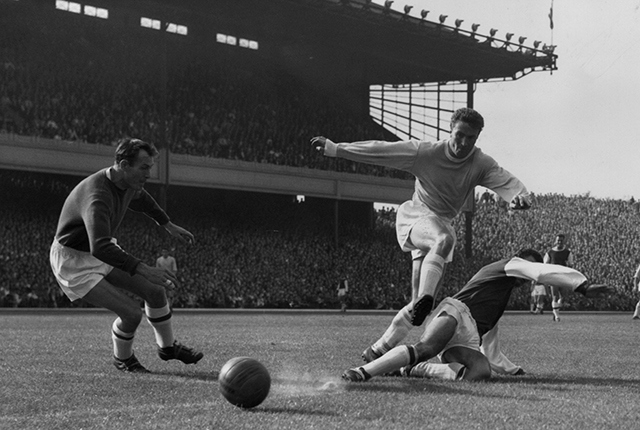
[
  {"x": 96, "y": 85},
  {"x": 280, "y": 262}
]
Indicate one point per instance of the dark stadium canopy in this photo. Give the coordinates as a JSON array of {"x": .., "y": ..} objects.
[{"x": 374, "y": 44}]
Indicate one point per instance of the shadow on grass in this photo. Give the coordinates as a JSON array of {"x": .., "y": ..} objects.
[
  {"x": 201, "y": 376},
  {"x": 576, "y": 380}
]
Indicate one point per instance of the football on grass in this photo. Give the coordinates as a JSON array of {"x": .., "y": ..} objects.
[{"x": 244, "y": 382}]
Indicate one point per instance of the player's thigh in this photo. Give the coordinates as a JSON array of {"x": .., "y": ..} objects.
[
  {"x": 478, "y": 366},
  {"x": 429, "y": 231},
  {"x": 105, "y": 295},
  {"x": 138, "y": 285},
  {"x": 437, "y": 334}
]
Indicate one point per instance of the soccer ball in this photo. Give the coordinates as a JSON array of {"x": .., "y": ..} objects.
[{"x": 244, "y": 382}]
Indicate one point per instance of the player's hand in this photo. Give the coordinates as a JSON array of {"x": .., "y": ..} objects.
[
  {"x": 180, "y": 233},
  {"x": 598, "y": 291},
  {"x": 319, "y": 142},
  {"x": 158, "y": 276},
  {"x": 520, "y": 202}
]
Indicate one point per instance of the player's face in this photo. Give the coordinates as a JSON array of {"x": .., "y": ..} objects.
[
  {"x": 137, "y": 174},
  {"x": 463, "y": 139},
  {"x": 559, "y": 241}
]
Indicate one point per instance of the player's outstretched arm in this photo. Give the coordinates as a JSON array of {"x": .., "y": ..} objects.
[{"x": 180, "y": 233}]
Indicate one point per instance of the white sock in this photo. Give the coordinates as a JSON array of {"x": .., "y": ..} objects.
[
  {"x": 430, "y": 274},
  {"x": 446, "y": 371},
  {"x": 555, "y": 307},
  {"x": 122, "y": 342},
  {"x": 398, "y": 357},
  {"x": 637, "y": 312},
  {"x": 160, "y": 320},
  {"x": 396, "y": 332}
]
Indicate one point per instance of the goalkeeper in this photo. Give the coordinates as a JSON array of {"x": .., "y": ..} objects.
[{"x": 459, "y": 322}]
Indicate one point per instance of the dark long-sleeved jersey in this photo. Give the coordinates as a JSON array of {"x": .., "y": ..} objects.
[
  {"x": 92, "y": 213},
  {"x": 487, "y": 293}
]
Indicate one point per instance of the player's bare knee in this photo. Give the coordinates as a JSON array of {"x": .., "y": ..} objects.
[
  {"x": 156, "y": 296},
  {"x": 132, "y": 316},
  {"x": 478, "y": 372},
  {"x": 444, "y": 244}
]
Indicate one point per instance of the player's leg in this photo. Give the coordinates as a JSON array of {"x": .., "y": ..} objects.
[
  {"x": 476, "y": 365},
  {"x": 158, "y": 315},
  {"x": 499, "y": 362},
  {"x": 636, "y": 313},
  {"x": 401, "y": 324},
  {"x": 556, "y": 303},
  {"x": 437, "y": 334},
  {"x": 124, "y": 327},
  {"x": 433, "y": 236}
]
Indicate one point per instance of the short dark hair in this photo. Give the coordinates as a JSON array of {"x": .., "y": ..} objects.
[
  {"x": 129, "y": 148},
  {"x": 468, "y": 115},
  {"x": 560, "y": 235},
  {"x": 528, "y": 252}
]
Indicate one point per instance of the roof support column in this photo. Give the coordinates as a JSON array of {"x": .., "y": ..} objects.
[{"x": 470, "y": 204}]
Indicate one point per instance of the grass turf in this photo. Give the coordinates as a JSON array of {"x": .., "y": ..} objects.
[{"x": 56, "y": 373}]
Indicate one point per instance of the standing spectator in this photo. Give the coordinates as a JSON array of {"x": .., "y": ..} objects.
[
  {"x": 168, "y": 262},
  {"x": 636, "y": 286},
  {"x": 446, "y": 173},
  {"x": 89, "y": 265},
  {"x": 343, "y": 294},
  {"x": 561, "y": 255}
]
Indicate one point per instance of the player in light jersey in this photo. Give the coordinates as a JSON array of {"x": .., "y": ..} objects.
[
  {"x": 636, "y": 287},
  {"x": 89, "y": 265},
  {"x": 454, "y": 331},
  {"x": 561, "y": 255},
  {"x": 447, "y": 173}
]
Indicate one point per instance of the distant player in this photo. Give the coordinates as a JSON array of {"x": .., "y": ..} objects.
[
  {"x": 343, "y": 294},
  {"x": 459, "y": 322},
  {"x": 561, "y": 255},
  {"x": 447, "y": 173},
  {"x": 538, "y": 296},
  {"x": 636, "y": 287},
  {"x": 89, "y": 265}
]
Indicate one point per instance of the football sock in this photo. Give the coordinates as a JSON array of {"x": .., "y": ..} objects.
[
  {"x": 430, "y": 274},
  {"x": 122, "y": 342},
  {"x": 637, "y": 311},
  {"x": 160, "y": 320},
  {"x": 396, "y": 332},
  {"x": 555, "y": 307},
  {"x": 446, "y": 371},
  {"x": 398, "y": 357}
]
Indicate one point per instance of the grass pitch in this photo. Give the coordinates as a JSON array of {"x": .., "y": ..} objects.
[{"x": 56, "y": 373}]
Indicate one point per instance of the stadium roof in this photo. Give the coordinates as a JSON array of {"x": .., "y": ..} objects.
[{"x": 375, "y": 44}]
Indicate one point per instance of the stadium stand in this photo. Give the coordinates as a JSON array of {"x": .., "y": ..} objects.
[{"x": 278, "y": 259}]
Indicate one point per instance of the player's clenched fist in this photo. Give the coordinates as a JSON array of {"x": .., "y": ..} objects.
[
  {"x": 319, "y": 142},
  {"x": 520, "y": 202}
]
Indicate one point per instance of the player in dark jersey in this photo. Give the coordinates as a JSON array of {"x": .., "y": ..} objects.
[
  {"x": 561, "y": 255},
  {"x": 456, "y": 326},
  {"x": 89, "y": 265}
]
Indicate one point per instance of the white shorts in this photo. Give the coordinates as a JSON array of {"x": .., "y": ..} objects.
[
  {"x": 409, "y": 214},
  {"x": 466, "y": 334},
  {"x": 77, "y": 272},
  {"x": 539, "y": 290}
]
